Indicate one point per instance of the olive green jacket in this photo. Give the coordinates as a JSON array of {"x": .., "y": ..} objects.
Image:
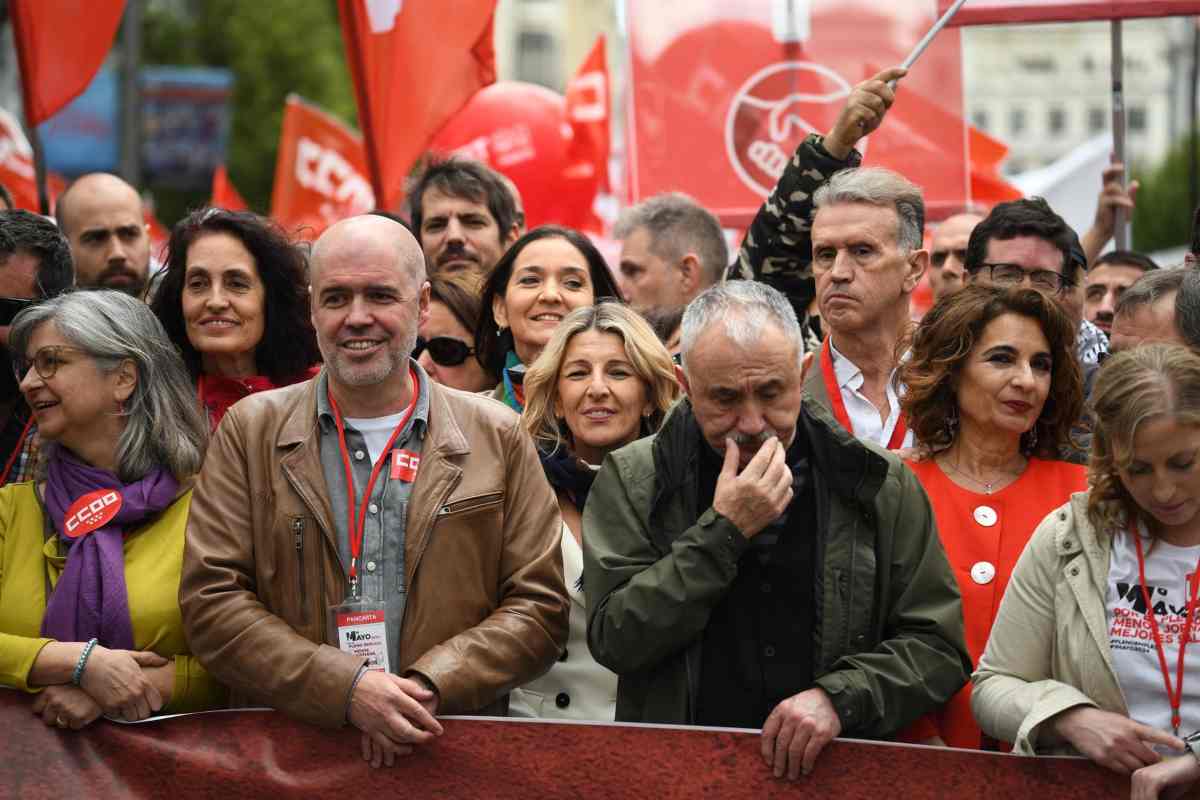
[{"x": 888, "y": 632}]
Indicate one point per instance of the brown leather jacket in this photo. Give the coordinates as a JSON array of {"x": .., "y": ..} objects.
[{"x": 487, "y": 607}]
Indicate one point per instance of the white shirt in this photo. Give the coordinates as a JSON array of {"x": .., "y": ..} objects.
[
  {"x": 1134, "y": 655},
  {"x": 864, "y": 417}
]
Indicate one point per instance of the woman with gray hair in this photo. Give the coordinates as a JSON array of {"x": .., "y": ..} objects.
[{"x": 92, "y": 548}]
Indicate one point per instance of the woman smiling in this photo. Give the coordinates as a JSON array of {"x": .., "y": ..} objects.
[
  {"x": 234, "y": 300},
  {"x": 545, "y": 275},
  {"x": 601, "y": 382}
]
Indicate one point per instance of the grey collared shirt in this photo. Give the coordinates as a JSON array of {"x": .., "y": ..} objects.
[{"x": 381, "y": 560}]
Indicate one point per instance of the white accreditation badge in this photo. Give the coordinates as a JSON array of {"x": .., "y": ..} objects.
[{"x": 358, "y": 628}]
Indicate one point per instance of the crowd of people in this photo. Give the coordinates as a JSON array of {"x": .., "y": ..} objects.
[{"x": 441, "y": 464}]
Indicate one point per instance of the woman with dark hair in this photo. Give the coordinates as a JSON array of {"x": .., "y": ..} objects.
[
  {"x": 91, "y": 550},
  {"x": 445, "y": 344},
  {"x": 234, "y": 299},
  {"x": 993, "y": 388},
  {"x": 545, "y": 275}
]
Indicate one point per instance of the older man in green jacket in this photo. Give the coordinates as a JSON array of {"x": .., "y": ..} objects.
[{"x": 754, "y": 565}]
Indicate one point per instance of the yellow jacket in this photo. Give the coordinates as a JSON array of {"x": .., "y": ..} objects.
[{"x": 153, "y": 558}]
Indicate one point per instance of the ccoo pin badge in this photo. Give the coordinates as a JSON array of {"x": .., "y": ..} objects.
[{"x": 92, "y": 511}]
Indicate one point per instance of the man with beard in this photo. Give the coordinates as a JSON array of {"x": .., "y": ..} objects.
[
  {"x": 754, "y": 565},
  {"x": 102, "y": 217},
  {"x": 35, "y": 263},
  {"x": 1111, "y": 274},
  {"x": 317, "y": 583},
  {"x": 465, "y": 215}
]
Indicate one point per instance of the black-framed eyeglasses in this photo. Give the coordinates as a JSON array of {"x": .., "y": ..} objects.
[
  {"x": 45, "y": 361},
  {"x": 938, "y": 257},
  {"x": 11, "y": 306},
  {"x": 446, "y": 351},
  {"x": 1014, "y": 275}
]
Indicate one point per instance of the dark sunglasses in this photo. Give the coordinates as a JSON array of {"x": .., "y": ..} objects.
[
  {"x": 445, "y": 351},
  {"x": 11, "y": 306}
]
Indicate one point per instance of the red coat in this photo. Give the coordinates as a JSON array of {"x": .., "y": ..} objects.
[
  {"x": 218, "y": 393},
  {"x": 982, "y": 555}
]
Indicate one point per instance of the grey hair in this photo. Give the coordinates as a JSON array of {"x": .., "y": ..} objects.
[
  {"x": 744, "y": 308},
  {"x": 877, "y": 186},
  {"x": 678, "y": 225},
  {"x": 164, "y": 423},
  {"x": 1187, "y": 307}
]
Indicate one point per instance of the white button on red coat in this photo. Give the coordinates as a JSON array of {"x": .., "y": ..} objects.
[
  {"x": 986, "y": 516},
  {"x": 983, "y": 572}
]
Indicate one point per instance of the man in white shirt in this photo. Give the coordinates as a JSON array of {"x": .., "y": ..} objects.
[{"x": 867, "y": 258}]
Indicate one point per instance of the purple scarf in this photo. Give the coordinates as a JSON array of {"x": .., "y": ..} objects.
[{"x": 90, "y": 599}]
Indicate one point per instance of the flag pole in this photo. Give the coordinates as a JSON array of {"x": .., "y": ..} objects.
[
  {"x": 928, "y": 38},
  {"x": 1122, "y": 233}
]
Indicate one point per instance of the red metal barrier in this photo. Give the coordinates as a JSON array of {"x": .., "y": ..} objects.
[{"x": 263, "y": 754}]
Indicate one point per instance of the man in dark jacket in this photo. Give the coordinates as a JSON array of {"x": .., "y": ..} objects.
[{"x": 754, "y": 565}]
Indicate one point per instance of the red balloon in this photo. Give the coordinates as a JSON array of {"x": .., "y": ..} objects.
[{"x": 521, "y": 130}]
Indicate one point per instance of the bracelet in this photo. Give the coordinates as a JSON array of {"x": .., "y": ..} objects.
[{"x": 81, "y": 664}]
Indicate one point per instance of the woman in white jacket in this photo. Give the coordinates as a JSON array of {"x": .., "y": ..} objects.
[
  {"x": 602, "y": 381},
  {"x": 1089, "y": 653}
]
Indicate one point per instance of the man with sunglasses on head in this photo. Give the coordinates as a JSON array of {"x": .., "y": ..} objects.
[
  {"x": 948, "y": 254},
  {"x": 35, "y": 263}
]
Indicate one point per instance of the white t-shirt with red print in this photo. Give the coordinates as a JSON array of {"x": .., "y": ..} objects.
[{"x": 1169, "y": 572}]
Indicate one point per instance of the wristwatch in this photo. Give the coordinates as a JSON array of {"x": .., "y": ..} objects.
[{"x": 1193, "y": 745}]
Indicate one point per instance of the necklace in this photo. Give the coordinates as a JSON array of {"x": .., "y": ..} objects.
[{"x": 1005, "y": 476}]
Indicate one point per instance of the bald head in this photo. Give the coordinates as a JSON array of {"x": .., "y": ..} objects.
[
  {"x": 369, "y": 237},
  {"x": 102, "y": 218},
  {"x": 369, "y": 295},
  {"x": 947, "y": 252}
]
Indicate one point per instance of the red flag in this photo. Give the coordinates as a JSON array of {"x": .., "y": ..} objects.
[
  {"x": 998, "y": 12},
  {"x": 988, "y": 187},
  {"x": 60, "y": 46},
  {"x": 588, "y": 109},
  {"x": 722, "y": 93},
  {"x": 16, "y": 167},
  {"x": 159, "y": 235},
  {"x": 224, "y": 193},
  {"x": 320, "y": 172},
  {"x": 414, "y": 64}
]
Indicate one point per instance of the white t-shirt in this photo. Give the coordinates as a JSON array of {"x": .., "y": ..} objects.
[
  {"x": 1168, "y": 571},
  {"x": 375, "y": 431}
]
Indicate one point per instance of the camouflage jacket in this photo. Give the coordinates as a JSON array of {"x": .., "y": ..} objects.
[{"x": 777, "y": 249}]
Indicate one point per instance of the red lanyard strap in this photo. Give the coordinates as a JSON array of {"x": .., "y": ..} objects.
[
  {"x": 357, "y": 512},
  {"x": 1175, "y": 696},
  {"x": 838, "y": 403}
]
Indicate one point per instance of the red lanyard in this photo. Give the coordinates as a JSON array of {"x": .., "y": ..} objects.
[
  {"x": 16, "y": 453},
  {"x": 1174, "y": 697},
  {"x": 839, "y": 404},
  {"x": 358, "y": 512}
]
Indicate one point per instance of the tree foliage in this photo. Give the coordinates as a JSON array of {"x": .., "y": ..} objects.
[
  {"x": 273, "y": 49},
  {"x": 1163, "y": 216}
]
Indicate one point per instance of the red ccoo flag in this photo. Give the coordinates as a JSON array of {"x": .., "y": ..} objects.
[
  {"x": 414, "y": 64},
  {"x": 588, "y": 104},
  {"x": 320, "y": 172},
  {"x": 224, "y": 193},
  {"x": 60, "y": 46}
]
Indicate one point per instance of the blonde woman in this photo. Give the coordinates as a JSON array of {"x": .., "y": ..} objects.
[
  {"x": 602, "y": 381},
  {"x": 1089, "y": 652}
]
